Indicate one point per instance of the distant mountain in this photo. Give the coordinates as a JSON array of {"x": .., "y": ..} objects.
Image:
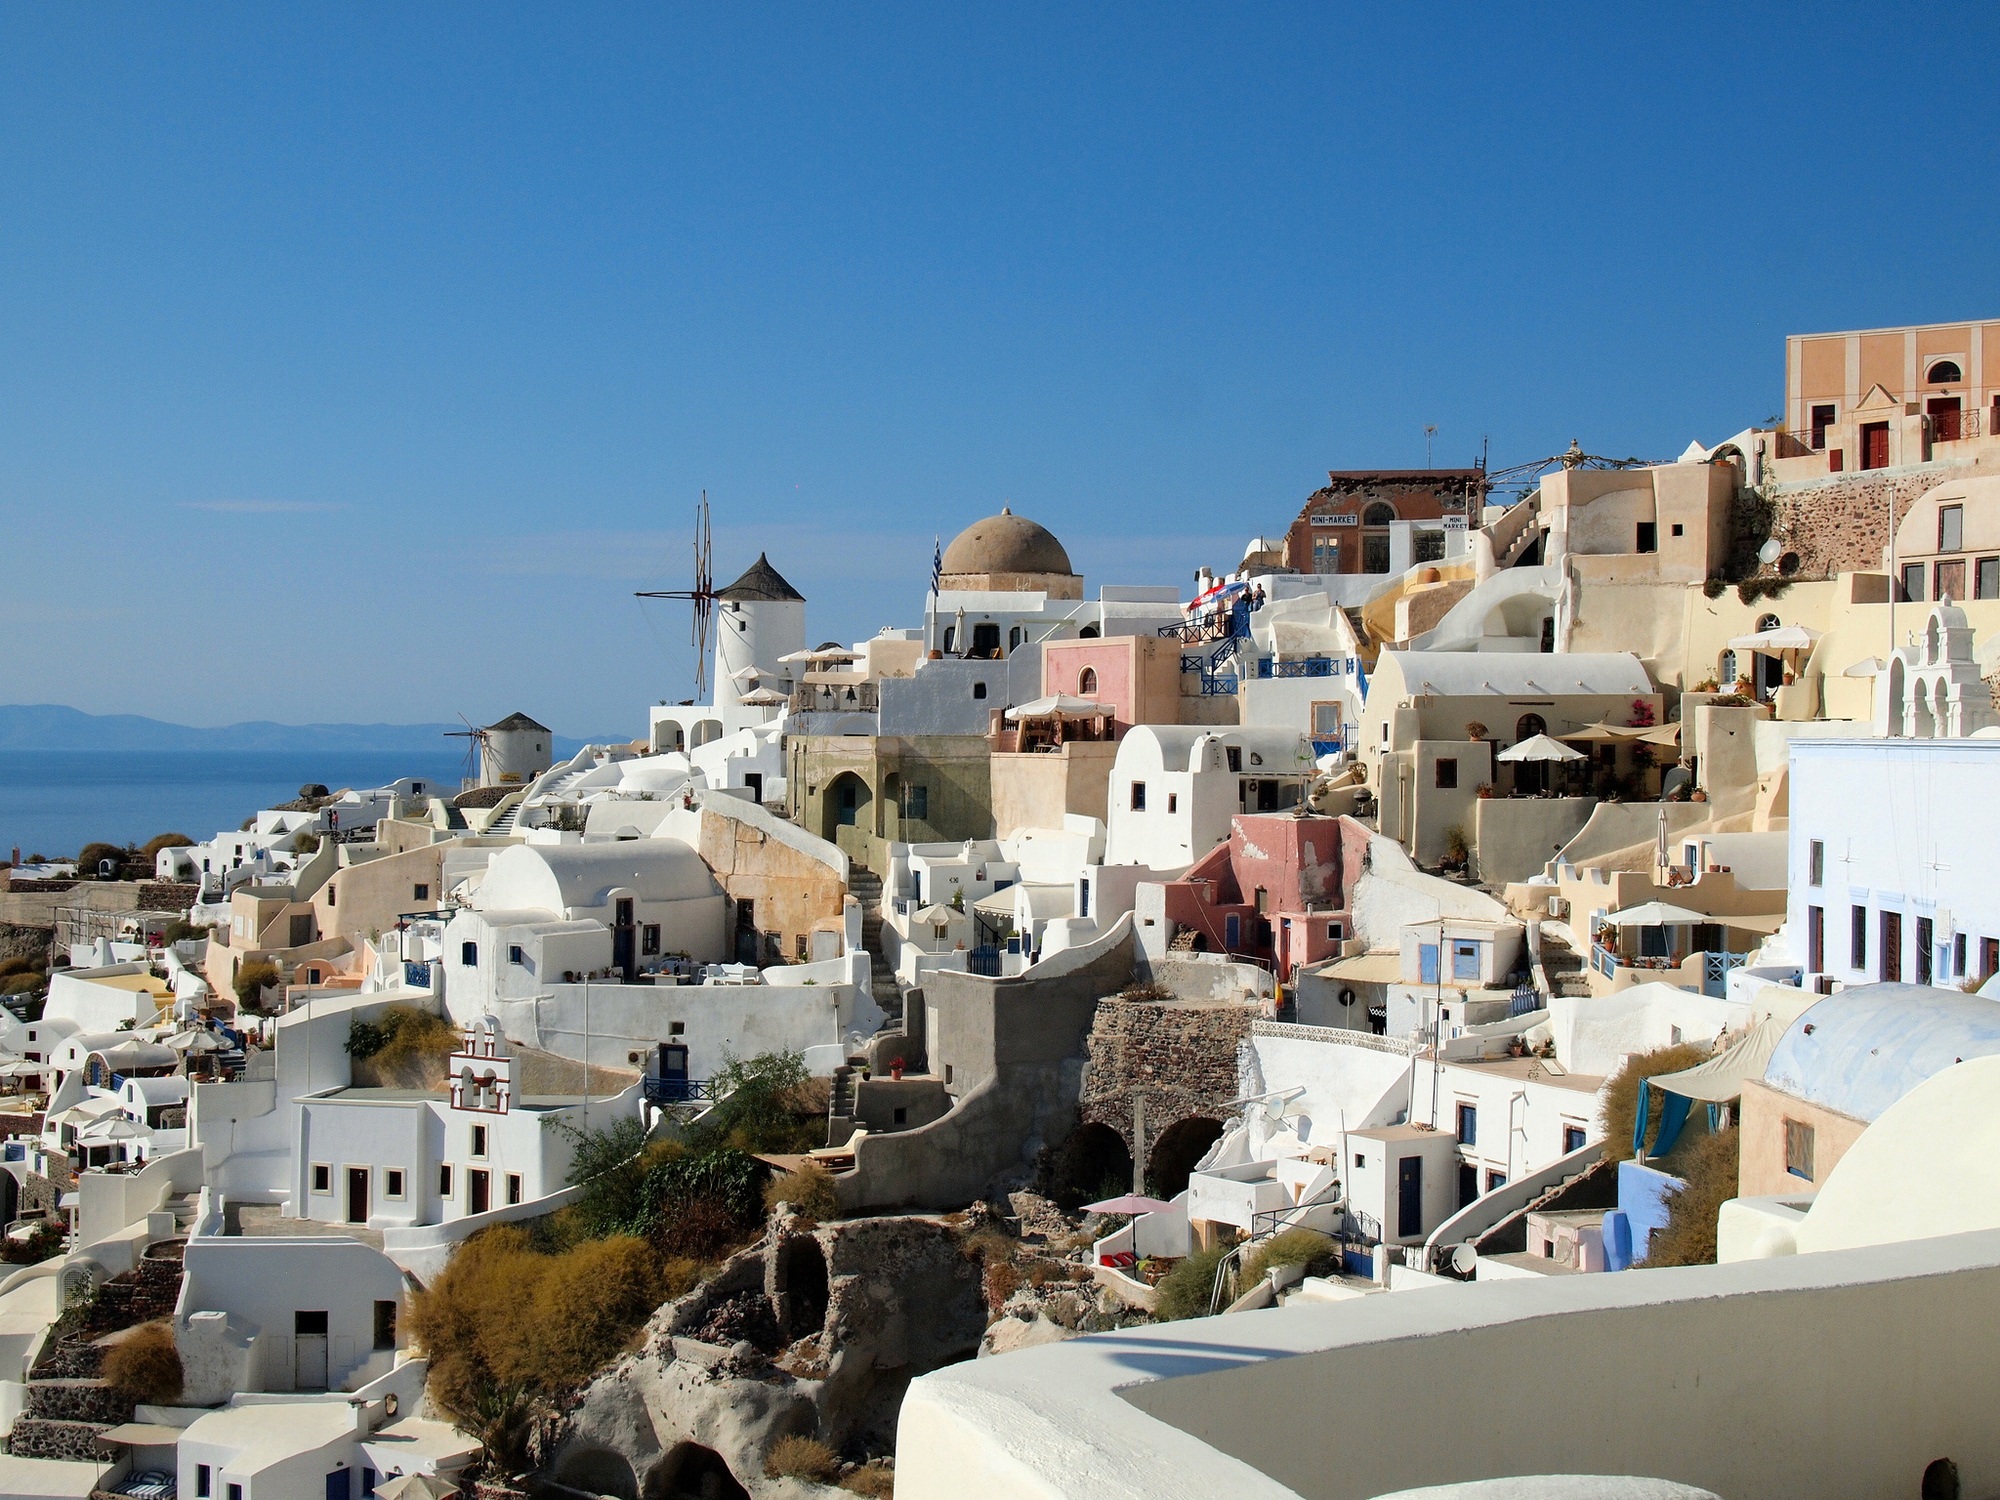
[{"x": 52, "y": 726}]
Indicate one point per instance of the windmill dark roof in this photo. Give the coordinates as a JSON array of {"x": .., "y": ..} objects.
[
  {"x": 762, "y": 581},
  {"x": 519, "y": 721}
]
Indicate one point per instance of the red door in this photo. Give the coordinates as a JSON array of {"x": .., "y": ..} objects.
[
  {"x": 1944, "y": 415},
  {"x": 1875, "y": 445}
]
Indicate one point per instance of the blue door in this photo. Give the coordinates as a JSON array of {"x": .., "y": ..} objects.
[
  {"x": 337, "y": 1485},
  {"x": 1232, "y": 932},
  {"x": 1427, "y": 963}
]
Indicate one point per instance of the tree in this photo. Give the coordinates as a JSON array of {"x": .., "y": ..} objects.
[
  {"x": 153, "y": 846},
  {"x": 93, "y": 855},
  {"x": 254, "y": 977}
]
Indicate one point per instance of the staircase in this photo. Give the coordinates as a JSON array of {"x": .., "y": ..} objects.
[
  {"x": 1563, "y": 967},
  {"x": 865, "y": 886},
  {"x": 68, "y": 1404}
]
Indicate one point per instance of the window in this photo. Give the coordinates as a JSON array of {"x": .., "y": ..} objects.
[
  {"x": 1958, "y": 956},
  {"x": 986, "y": 640},
  {"x": 1816, "y": 862},
  {"x": 1857, "y": 937},
  {"x": 1573, "y": 1138},
  {"x": 979, "y": 690},
  {"x": 677, "y": 1028},
  {"x": 1495, "y": 1181},
  {"x": 1986, "y": 578},
  {"x": 1381, "y": 513},
  {"x": 1924, "y": 954},
  {"x": 1427, "y": 545},
  {"x": 1261, "y": 900},
  {"x": 1989, "y": 957},
  {"x": 392, "y": 1183},
  {"x": 203, "y": 1481},
  {"x": 1822, "y": 418},
  {"x": 1016, "y": 638},
  {"x": 1173, "y": 801},
  {"x": 513, "y": 1187},
  {"x": 468, "y": 955},
  {"x": 444, "y": 1181},
  {"x": 1360, "y": 1161},
  {"x": 1913, "y": 582},
  {"x": 1086, "y": 683},
  {"x": 1951, "y": 528},
  {"x": 1446, "y": 773},
  {"x": 1468, "y": 1125},
  {"x": 1649, "y": 537},
  {"x": 1799, "y": 1149},
  {"x": 1325, "y": 720},
  {"x": 368, "y": 1478},
  {"x": 479, "y": 1140},
  {"x": 1334, "y": 933},
  {"x": 322, "y": 1178},
  {"x": 1944, "y": 372},
  {"x": 515, "y": 955},
  {"x": 902, "y": 1114},
  {"x": 1892, "y": 945},
  {"x": 917, "y": 803},
  {"x": 1679, "y": 529},
  {"x": 235, "y": 1492},
  {"x": 1233, "y": 756},
  {"x": 649, "y": 939},
  {"x": 1138, "y": 796},
  {"x": 420, "y": 892},
  {"x": 385, "y": 1325},
  {"x": 332, "y": 896},
  {"x": 1816, "y": 939}
]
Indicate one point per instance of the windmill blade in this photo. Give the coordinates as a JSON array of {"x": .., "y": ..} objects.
[{"x": 704, "y": 596}]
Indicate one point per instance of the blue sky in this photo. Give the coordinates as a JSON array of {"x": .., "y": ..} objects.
[{"x": 360, "y": 361}]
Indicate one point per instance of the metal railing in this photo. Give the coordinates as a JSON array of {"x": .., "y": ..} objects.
[
  {"x": 678, "y": 1090},
  {"x": 836, "y": 698}
]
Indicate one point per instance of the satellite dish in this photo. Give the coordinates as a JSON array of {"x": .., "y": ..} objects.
[
  {"x": 1771, "y": 551},
  {"x": 1464, "y": 1259}
]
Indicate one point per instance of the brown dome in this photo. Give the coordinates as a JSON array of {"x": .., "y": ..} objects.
[{"x": 1005, "y": 543}]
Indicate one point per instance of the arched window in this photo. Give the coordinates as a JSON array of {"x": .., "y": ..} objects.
[
  {"x": 1767, "y": 622},
  {"x": 1088, "y": 633},
  {"x": 1016, "y": 638},
  {"x": 1086, "y": 683},
  {"x": 1944, "y": 372},
  {"x": 1528, "y": 726},
  {"x": 1381, "y": 513}
]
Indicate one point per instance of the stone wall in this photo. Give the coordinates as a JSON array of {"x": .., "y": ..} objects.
[
  {"x": 168, "y": 895},
  {"x": 1841, "y": 523},
  {"x": 39, "y": 1195},
  {"x": 18, "y": 940},
  {"x": 1181, "y": 1055}
]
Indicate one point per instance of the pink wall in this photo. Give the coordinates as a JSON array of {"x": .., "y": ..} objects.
[
  {"x": 1295, "y": 861},
  {"x": 1063, "y": 663}
]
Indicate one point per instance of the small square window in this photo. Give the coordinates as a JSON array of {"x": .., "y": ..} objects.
[
  {"x": 444, "y": 1181},
  {"x": 513, "y": 1187},
  {"x": 1679, "y": 529},
  {"x": 392, "y": 1183},
  {"x": 1138, "y": 796},
  {"x": 1799, "y": 1149},
  {"x": 322, "y": 1178},
  {"x": 979, "y": 690},
  {"x": 1445, "y": 773},
  {"x": 902, "y": 1115},
  {"x": 515, "y": 955},
  {"x": 677, "y": 1028},
  {"x": 236, "y": 1492},
  {"x": 1360, "y": 1161},
  {"x": 479, "y": 1140},
  {"x": 420, "y": 892},
  {"x": 649, "y": 939},
  {"x": 468, "y": 955}
]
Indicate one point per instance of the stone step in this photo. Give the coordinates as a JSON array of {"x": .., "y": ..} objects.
[
  {"x": 73, "y": 1400},
  {"x": 36, "y": 1437}
]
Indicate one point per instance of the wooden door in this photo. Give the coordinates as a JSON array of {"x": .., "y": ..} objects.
[
  {"x": 1944, "y": 412},
  {"x": 1875, "y": 445},
  {"x": 357, "y": 1195},
  {"x": 478, "y": 1190}
]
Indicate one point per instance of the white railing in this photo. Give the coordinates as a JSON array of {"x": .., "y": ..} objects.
[{"x": 1395, "y": 1046}]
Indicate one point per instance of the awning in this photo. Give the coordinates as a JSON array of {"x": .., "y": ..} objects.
[
  {"x": 1603, "y": 734},
  {"x": 934, "y": 916},
  {"x": 1059, "y": 706},
  {"x": 1540, "y": 747},
  {"x": 1657, "y": 914},
  {"x": 1720, "y": 1079},
  {"x": 822, "y": 655},
  {"x": 143, "y": 1434},
  {"x": 1783, "y": 638}
]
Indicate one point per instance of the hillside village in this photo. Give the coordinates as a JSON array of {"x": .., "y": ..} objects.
[{"x": 1031, "y": 1050}]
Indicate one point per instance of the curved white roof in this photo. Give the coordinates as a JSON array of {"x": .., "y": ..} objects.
[
  {"x": 562, "y": 878},
  {"x": 1171, "y": 746},
  {"x": 1505, "y": 674}
]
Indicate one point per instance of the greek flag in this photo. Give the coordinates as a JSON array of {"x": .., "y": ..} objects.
[{"x": 937, "y": 565}]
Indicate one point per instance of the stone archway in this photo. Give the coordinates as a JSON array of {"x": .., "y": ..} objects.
[
  {"x": 1174, "y": 1154},
  {"x": 802, "y": 1288},
  {"x": 847, "y": 803},
  {"x": 692, "y": 1472},
  {"x": 1093, "y": 1163},
  {"x": 597, "y": 1471}
]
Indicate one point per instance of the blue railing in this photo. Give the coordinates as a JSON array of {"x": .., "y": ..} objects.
[
  {"x": 678, "y": 1090},
  {"x": 417, "y": 976}
]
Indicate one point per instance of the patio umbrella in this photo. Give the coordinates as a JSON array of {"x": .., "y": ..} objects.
[
  {"x": 415, "y": 1487},
  {"x": 197, "y": 1040},
  {"x": 1057, "y": 705},
  {"x": 1127, "y": 1203},
  {"x": 763, "y": 697},
  {"x": 1660, "y": 853},
  {"x": 1783, "y": 638},
  {"x": 936, "y": 916},
  {"x": 1540, "y": 747},
  {"x": 1656, "y": 914}
]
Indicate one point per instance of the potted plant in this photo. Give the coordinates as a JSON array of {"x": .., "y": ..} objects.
[
  {"x": 896, "y": 1069},
  {"x": 1474, "y": 730}
]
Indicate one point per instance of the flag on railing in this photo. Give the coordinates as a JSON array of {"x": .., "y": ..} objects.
[{"x": 937, "y": 564}]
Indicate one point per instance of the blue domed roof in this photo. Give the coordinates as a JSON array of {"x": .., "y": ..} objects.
[{"x": 1861, "y": 1050}]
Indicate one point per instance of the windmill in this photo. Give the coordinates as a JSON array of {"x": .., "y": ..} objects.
[
  {"x": 701, "y": 596},
  {"x": 475, "y": 741}
]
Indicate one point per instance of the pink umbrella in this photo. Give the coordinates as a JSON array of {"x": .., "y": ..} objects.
[{"x": 1130, "y": 1203}]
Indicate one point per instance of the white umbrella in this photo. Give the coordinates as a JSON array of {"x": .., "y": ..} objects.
[
  {"x": 763, "y": 697},
  {"x": 1057, "y": 705},
  {"x": 935, "y": 916},
  {"x": 1656, "y": 914},
  {"x": 196, "y": 1040},
  {"x": 1782, "y": 638},
  {"x": 1540, "y": 747},
  {"x": 415, "y": 1487},
  {"x": 1660, "y": 853}
]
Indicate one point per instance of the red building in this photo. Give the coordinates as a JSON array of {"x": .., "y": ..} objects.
[
  {"x": 1344, "y": 527},
  {"x": 1275, "y": 892}
]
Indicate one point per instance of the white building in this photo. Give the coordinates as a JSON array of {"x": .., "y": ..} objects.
[
  {"x": 270, "y": 844},
  {"x": 760, "y": 630},
  {"x": 1174, "y": 788}
]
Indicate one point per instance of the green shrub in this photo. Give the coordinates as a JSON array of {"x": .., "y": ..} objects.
[
  {"x": 150, "y": 852},
  {"x": 180, "y": 930},
  {"x": 145, "y": 1364},
  {"x": 1188, "y": 1289},
  {"x": 20, "y": 984},
  {"x": 1456, "y": 848},
  {"x": 1294, "y": 1247},
  {"x": 769, "y": 1104},
  {"x": 1621, "y": 1095},
  {"x": 90, "y": 856},
  {"x": 705, "y": 1202},
  {"x": 254, "y": 977},
  {"x": 796, "y": 1457},
  {"x": 808, "y": 1188},
  {"x": 1707, "y": 1168}
]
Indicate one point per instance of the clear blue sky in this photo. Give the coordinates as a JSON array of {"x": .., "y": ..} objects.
[{"x": 359, "y": 362}]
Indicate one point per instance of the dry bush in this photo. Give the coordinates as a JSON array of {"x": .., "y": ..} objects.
[
  {"x": 878, "y": 1480},
  {"x": 404, "y": 1047},
  {"x": 1003, "y": 1279},
  {"x": 1295, "y": 1247},
  {"x": 255, "y": 977},
  {"x": 505, "y": 1320},
  {"x": 1708, "y": 1168},
  {"x": 20, "y": 984},
  {"x": 12, "y": 966},
  {"x": 145, "y": 1365},
  {"x": 1186, "y": 1290},
  {"x": 808, "y": 1188},
  {"x": 796, "y": 1457},
  {"x": 1621, "y": 1095},
  {"x": 989, "y": 1244}
]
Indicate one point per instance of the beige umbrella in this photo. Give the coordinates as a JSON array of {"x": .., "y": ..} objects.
[
  {"x": 1540, "y": 747},
  {"x": 415, "y": 1487}
]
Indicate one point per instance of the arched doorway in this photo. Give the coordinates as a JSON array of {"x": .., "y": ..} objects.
[
  {"x": 1093, "y": 1163},
  {"x": 597, "y": 1471},
  {"x": 1174, "y": 1154},
  {"x": 1530, "y": 775},
  {"x": 802, "y": 1289},
  {"x": 692, "y": 1472},
  {"x": 845, "y": 805}
]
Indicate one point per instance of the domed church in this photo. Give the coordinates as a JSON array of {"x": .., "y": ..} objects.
[{"x": 1009, "y": 554}]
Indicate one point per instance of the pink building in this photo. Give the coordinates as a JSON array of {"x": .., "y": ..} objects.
[{"x": 1276, "y": 892}]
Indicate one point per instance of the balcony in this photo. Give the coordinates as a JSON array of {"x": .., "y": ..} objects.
[
  {"x": 836, "y": 698},
  {"x": 678, "y": 1090}
]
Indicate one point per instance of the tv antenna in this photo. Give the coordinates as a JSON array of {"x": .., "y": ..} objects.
[
  {"x": 475, "y": 741},
  {"x": 701, "y": 596}
]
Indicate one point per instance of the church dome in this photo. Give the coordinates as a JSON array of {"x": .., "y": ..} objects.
[{"x": 1005, "y": 543}]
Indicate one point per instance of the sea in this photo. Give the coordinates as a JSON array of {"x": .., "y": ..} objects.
[{"x": 53, "y": 802}]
